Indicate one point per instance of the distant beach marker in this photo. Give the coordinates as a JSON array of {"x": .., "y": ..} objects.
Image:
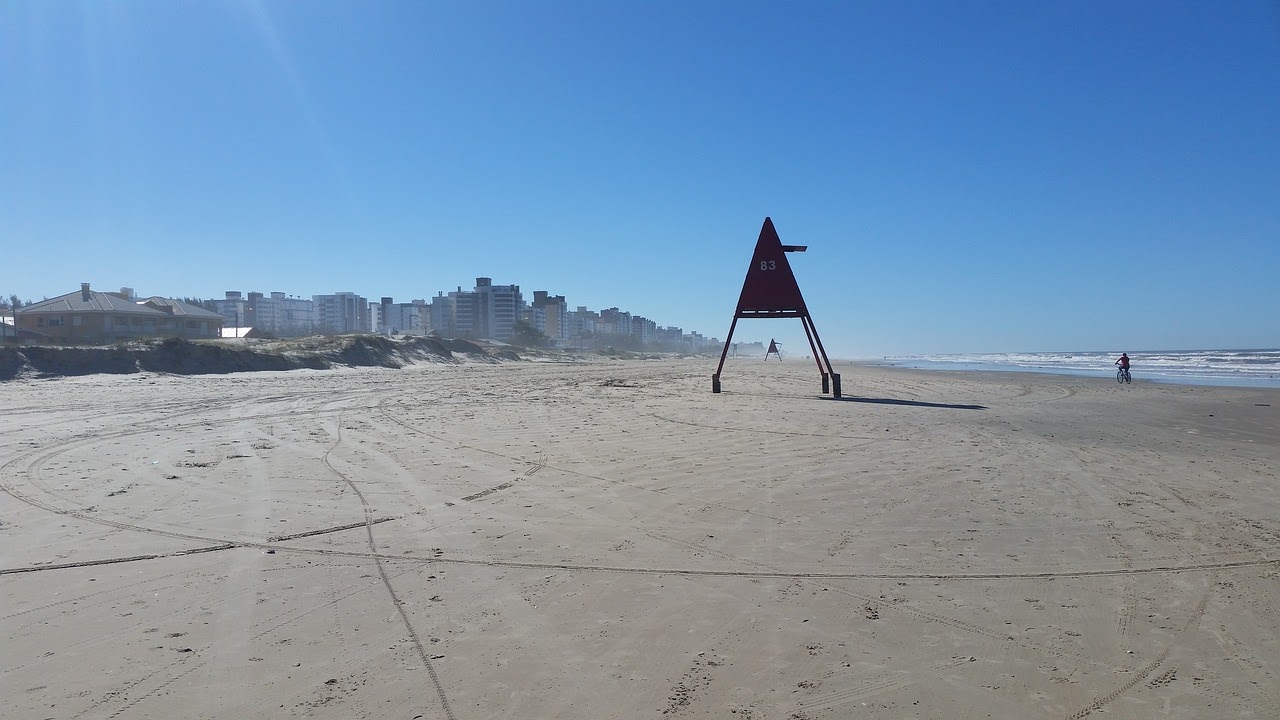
[
  {"x": 773, "y": 350},
  {"x": 770, "y": 290}
]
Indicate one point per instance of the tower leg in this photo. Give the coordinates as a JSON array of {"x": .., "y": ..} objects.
[
  {"x": 835, "y": 385},
  {"x": 820, "y": 355},
  {"x": 715, "y": 379},
  {"x": 808, "y": 333}
]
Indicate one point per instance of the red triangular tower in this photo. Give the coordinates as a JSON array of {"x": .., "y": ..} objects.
[
  {"x": 770, "y": 286},
  {"x": 770, "y": 290}
]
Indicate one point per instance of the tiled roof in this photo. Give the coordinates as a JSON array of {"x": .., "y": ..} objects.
[
  {"x": 98, "y": 302},
  {"x": 180, "y": 309}
]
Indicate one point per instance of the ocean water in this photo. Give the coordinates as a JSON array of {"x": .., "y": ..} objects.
[{"x": 1246, "y": 368}]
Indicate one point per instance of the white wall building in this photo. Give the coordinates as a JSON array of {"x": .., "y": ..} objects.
[
  {"x": 403, "y": 318},
  {"x": 342, "y": 312}
]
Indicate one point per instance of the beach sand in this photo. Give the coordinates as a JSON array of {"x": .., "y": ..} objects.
[{"x": 612, "y": 540}]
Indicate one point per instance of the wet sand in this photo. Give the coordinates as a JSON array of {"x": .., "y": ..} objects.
[{"x": 611, "y": 540}]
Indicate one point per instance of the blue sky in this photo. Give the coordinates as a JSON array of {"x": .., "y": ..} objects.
[{"x": 969, "y": 176}]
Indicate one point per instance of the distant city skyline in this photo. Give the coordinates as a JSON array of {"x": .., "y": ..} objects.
[
  {"x": 490, "y": 312},
  {"x": 375, "y": 299},
  {"x": 743, "y": 339},
  {"x": 969, "y": 177}
]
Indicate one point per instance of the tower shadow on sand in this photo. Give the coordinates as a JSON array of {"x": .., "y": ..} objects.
[{"x": 909, "y": 403}]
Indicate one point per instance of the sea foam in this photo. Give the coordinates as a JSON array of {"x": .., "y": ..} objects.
[{"x": 1252, "y": 368}]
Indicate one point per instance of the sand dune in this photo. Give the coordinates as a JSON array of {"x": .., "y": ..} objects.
[{"x": 612, "y": 540}]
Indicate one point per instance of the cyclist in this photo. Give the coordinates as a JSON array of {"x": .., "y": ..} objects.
[{"x": 1123, "y": 362}]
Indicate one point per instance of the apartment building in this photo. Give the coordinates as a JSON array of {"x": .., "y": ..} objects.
[
  {"x": 550, "y": 315},
  {"x": 281, "y": 315},
  {"x": 233, "y": 310},
  {"x": 442, "y": 315},
  {"x": 498, "y": 308},
  {"x": 672, "y": 337},
  {"x": 411, "y": 318},
  {"x": 644, "y": 330},
  {"x": 614, "y": 322},
  {"x": 487, "y": 312},
  {"x": 341, "y": 313},
  {"x": 582, "y": 326},
  {"x": 276, "y": 314},
  {"x": 465, "y": 308}
]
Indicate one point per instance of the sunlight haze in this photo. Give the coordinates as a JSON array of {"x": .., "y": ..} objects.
[{"x": 969, "y": 177}]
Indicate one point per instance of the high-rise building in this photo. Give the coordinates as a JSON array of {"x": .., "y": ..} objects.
[
  {"x": 275, "y": 314},
  {"x": 233, "y": 310},
  {"x": 286, "y": 316},
  {"x": 403, "y": 318},
  {"x": 342, "y": 312},
  {"x": 498, "y": 308},
  {"x": 550, "y": 315},
  {"x": 670, "y": 338},
  {"x": 442, "y": 315},
  {"x": 465, "y": 305},
  {"x": 614, "y": 322},
  {"x": 644, "y": 330},
  {"x": 582, "y": 327},
  {"x": 382, "y": 316}
]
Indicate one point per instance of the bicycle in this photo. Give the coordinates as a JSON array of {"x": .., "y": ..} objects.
[{"x": 1122, "y": 376}]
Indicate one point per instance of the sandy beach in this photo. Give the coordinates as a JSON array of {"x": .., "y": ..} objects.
[{"x": 611, "y": 540}]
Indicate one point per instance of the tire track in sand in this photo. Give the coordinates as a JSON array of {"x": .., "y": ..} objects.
[
  {"x": 386, "y": 580},
  {"x": 1100, "y": 701}
]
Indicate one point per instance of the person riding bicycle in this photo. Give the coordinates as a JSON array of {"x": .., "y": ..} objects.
[{"x": 1123, "y": 362}]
